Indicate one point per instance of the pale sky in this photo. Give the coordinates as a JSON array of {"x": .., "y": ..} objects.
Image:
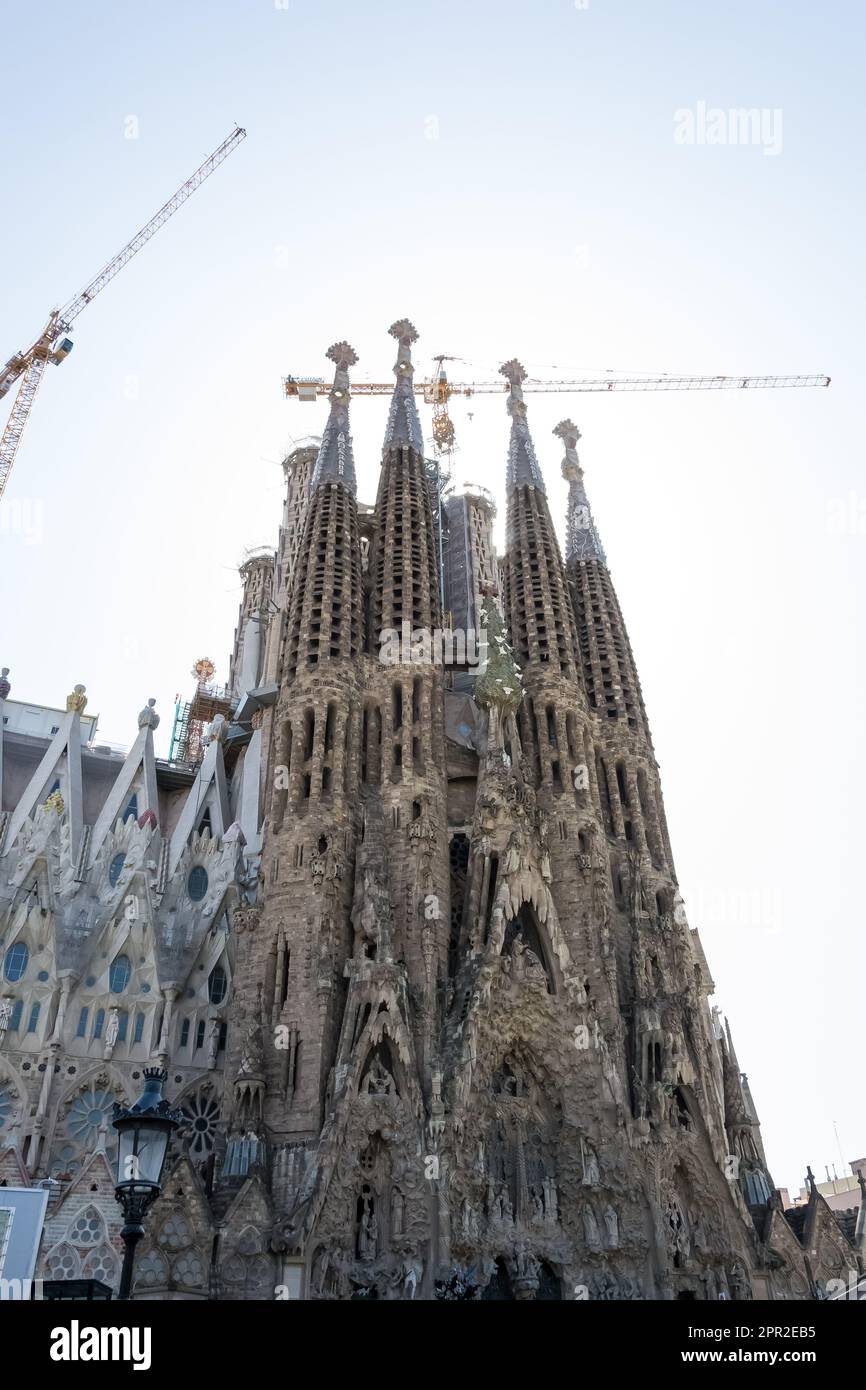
[{"x": 507, "y": 176}]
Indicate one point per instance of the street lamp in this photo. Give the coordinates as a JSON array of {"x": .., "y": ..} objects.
[{"x": 144, "y": 1130}]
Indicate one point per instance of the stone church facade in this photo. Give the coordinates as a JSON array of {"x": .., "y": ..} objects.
[{"x": 407, "y": 936}]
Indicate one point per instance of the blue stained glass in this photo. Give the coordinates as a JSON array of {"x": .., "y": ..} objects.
[
  {"x": 115, "y": 868},
  {"x": 196, "y": 884},
  {"x": 119, "y": 974},
  {"x": 15, "y": 962}
]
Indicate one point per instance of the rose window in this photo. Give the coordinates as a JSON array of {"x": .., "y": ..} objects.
[{"x": 200, "y": 1115}]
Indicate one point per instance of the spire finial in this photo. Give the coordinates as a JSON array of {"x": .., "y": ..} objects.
[
  {"x": 5, "y": 687},
  {"x": 522, "y": 464},
  {"x": 344, "y": 356},
  {"x": 336, "y": 462},
  {"x": 568, "y": 432},
  {"x": 582, "y": 541},
  {"x": 404, "y": 427},
  {"x": 406, "y": 334}
]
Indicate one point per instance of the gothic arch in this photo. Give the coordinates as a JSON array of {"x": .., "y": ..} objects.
[{"x": 527, "y": 940}]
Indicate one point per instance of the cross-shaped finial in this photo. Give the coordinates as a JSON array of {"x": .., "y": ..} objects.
[
  {"x": 567, "y": 431},
  {"x": 342, "y": 355},
  {"x": 513, "y": 371},
  {"x": 405, "y": 332}
]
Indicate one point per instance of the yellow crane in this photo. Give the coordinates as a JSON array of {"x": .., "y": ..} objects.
[{"x": 53, "y": 345}]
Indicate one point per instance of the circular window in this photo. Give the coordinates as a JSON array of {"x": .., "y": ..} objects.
[
  {"x": 217, "y": 985},
  {"x": 15, "y": 961},
  {"x": 115, "y": 868},
  {"x": 196, "y": 884},
  {"x": 43, "y": 976},
  {"x": 119, "y": 974}
]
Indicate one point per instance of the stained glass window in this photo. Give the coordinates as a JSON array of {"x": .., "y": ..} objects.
[
  {"x": 217, "y": 985},
  {"x": 115, "y": 868},
  {"x": 118, "y": 977},
  {"x": 196, "y": 884},
  {"x": 200, "y": 1114},
  {"x": 15, "y": 962}
]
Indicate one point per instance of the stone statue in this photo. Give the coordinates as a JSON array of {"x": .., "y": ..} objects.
[
  {"x": 213, "y": 1041},
  {"x": 551, "y": 1202},
  {"x": 590, "y": 1228},
  {"x": 5, "y": 1014},
  {"x": 378, "y": 1080},
  {"x": 112, "y": 1028},
  {"x": 611, "y": 1223},
  {"x": 590, "y": 1165},
  {"x": 397, "y": 1209}
]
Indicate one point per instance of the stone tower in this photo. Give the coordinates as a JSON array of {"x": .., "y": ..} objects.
[{"x": 510, "y": 1082}]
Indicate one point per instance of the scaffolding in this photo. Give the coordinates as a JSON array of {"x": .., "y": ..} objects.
[{"x": 191, "y": 717}]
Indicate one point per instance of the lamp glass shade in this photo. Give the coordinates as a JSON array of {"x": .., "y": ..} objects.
[{"x": 143, "y": 1142}]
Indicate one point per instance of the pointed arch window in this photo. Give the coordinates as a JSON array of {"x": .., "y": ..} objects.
[
  {"x": 138, "y": 1030},
  {"x": 217, "y": 985},
  {"x": 98, "y": 1023},
  {"x": 122, "y": 1025},
  {"x": 119, "y": 975},
  {"x": 131, "y": 812},
  {"x": 15, "y": 1016},
  {"x": 81, "y": 1031},
  {"x": 184, "y": 1032}
]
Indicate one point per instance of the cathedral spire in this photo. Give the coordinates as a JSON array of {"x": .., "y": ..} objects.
[
  {"x": 404, "y": 426},
  {"x": 523, "y": 466},
  {"x": 582, "y": 541},
  {"x": 336, "y": 461}
]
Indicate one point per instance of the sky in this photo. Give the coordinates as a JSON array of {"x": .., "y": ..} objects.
[{"x": 548, "y": 181}]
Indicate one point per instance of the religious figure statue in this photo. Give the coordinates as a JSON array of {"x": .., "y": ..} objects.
[
  {"x": 368, "y": 1233},
  {"x": 551, "y": 1202},
  {"x": 112, "y": 1028},
  {"x": 611, "y": 1223},
  {"x": 378, "y": 1080},
  {"x": 590, "y": 1165},
  {"x": 397, "y": 1209},
  {"x": 591, "y": 1232},
  {"x": 213, "y": 1041}
]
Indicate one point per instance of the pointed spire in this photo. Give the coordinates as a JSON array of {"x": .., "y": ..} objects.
[
  {"x": 522, "y": 464},
  {"x": 404, "y": 426},
  {"x": 336, "y": 461},
  {"x": 582, "y": 541}
]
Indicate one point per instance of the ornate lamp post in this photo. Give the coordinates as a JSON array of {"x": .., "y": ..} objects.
[{"x": 144, "y": 1130}]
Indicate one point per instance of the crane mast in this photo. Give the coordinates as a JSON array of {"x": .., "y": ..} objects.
[{"x": 29, "y": 366}]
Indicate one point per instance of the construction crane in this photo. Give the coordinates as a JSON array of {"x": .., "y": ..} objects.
[
  {"x": 52, "y": 345},
  {"x": 439, "y": 390}
]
